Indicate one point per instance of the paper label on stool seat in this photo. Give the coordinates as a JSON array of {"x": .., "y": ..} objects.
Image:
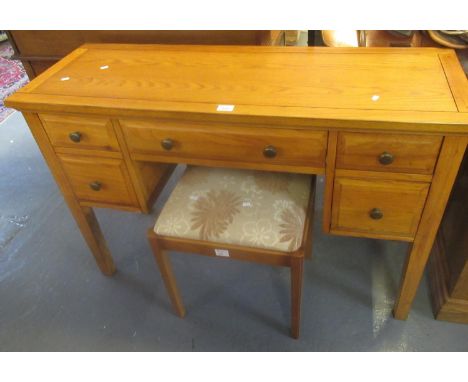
[{"x": 222, "y": 252}]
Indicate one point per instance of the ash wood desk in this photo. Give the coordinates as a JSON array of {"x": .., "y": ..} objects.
[{"x": 388, "y": 127}]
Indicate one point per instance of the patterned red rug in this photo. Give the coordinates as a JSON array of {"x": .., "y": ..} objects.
[{"x": 12, "y": 77}]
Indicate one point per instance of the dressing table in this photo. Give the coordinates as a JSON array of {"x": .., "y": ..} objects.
[{"x": 388, "y": 127}]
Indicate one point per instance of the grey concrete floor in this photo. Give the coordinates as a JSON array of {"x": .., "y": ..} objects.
[{"x": 53, "y": 298}]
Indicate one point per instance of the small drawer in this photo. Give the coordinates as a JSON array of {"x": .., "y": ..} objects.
[
  {"x": 80, "y": 132},
  {"x": 384, "y": 209},
  {"x": 99, "y": 180},
  {"x": 415, "y": 154},
  {"x": 194, "y": 142}
]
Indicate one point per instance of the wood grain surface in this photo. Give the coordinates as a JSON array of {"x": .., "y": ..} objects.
[
  {"x": 326, "y": 84},
  {"x": 415, "y": 83},
  {"x": 225, "y": 143},
  {"x": 116, "y": 187},
  {"x": 401, "y": 203},
  {"x": 411, "y": 154},
  {"x": 95, "y": 132}
]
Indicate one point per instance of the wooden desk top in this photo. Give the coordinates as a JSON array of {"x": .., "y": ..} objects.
[{"x": 421, "y": 89}]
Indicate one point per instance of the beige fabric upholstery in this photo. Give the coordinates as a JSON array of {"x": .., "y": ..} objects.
[{"x": 243, "y": 207}]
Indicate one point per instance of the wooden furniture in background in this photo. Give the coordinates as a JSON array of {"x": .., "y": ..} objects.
[
  {"x": 395, "y": 121},
  {"x": 448, "y": 265},
  {"x": 376, "y": 38},
  {"x": 39, "y": 50},
  {"x": 291, "y": 37}
]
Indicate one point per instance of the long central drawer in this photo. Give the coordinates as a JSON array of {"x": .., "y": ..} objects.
[{"x": 180, "y": 141}]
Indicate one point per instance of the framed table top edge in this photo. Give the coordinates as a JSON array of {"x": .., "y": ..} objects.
[{"x": 414, "y": 121}]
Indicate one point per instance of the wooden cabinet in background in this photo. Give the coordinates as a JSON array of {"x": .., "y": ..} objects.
[
  {"x": 39, "y": 50},
  {"x": 448, "y": 265}
]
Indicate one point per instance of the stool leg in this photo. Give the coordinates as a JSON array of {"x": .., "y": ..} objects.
[
  {"x": 297, "y": 270},
  {"x": 310, "y": 221},
  {"x": 309, "y": 238},
  {"x": 168, "y": 277}
]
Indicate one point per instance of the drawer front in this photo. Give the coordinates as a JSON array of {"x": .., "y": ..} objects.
[
  {"x": 80, "y": 132},
  {"x": 381, "y": 208},
  {"x": 182, "y": 142},
  {"x": 415, "y": 154},
  {"x": 100, "y": 180}
]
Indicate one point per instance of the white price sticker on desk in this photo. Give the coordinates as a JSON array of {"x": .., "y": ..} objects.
[{"x": 225, "y": 108}]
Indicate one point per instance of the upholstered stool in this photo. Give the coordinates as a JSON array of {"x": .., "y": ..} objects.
[{"x": 264, "y": 217}]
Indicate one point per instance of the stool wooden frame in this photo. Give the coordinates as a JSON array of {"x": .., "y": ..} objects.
[{"x": 295, "y": 260}]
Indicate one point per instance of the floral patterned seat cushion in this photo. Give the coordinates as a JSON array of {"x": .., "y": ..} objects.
[{"x": 243, "y": 207}]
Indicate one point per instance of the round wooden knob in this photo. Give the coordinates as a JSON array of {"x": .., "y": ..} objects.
[
  {"x": 269, "y": 152},
  {"x": 95, "y": 186},
  {"x": 167, "y": 144},
  {"x": 75, "y": 136},
  {"x": 386, "y": 158},
  {"x": 376, "y": 213}
]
